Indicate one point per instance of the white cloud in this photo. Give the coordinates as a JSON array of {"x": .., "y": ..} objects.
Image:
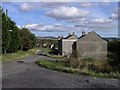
[
  {"x": 30, "y": 6},
  {"x": 31, "y": 25},
  {"x": 78, "y": 20},
  {"x": 88, "y": 4},
  {"x": 42, "y": 27},
  {"x": 114, "y": 16},
  {"x": 19, "y": 26},
  {"x": 101, "y": 21},
  {"x": 65, "y": 13},
  {"x": 50, "y": 28},
  {"x": 25, "y": 7},
  {"x": 58, "y": 25},
  {"x": 106, "y": 0}
]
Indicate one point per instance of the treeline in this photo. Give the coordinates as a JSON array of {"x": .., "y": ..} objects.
[{"x": 13, "y": 38}]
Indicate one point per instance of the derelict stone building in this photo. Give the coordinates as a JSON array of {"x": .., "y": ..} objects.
[
  {"x": 91, "y": 46},
  {"x": 65, "y": 44}
]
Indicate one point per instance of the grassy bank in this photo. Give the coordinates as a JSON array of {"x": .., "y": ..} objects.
[
  {"x": 61, "y": 66},
  {"x": 56, "y": 56},
  {"x": 18, "y": 55}
]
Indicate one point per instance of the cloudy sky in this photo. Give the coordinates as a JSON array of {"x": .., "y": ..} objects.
[{"x": 60, "y": 18}]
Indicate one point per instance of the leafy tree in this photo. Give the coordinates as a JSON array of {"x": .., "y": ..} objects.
[
  {"x": 5, "y": 33},
  {"x": 1, "y": 30},
  {"x": 15, "y": 40},
  {"x": 28, "y": 40},
  {"x": 33, "y": 40}
]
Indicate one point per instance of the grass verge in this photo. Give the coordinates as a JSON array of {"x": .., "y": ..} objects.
[
  {"x": 60, "y": 66},
  {"x": 56, "y": 56},
  {"x": 18, "y": 55}
]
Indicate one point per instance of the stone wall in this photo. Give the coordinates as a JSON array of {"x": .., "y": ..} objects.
[
  {"x": 67, "y": 46},
  {"x": 95, "y": 50}
]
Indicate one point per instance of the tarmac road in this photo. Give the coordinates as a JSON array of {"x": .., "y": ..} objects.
[{"x": 29, "y": 75}]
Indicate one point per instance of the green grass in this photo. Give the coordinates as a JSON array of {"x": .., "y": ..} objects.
[
  {"x": 56, "y": 56},
  {"x": 18, "y": 55},
  {"x": 60, "y": 66},
  {"x": 45, "y": 50}
]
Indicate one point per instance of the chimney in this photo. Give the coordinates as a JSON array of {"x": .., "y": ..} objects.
[
  {"x": 83, "y": 33},
  {"x": 62, "y": 37},
  {"x": 69, "y": 34},
  {"x": 73, "y": 33},
  {"x": 6, "y": 12},
  {"x": 58, "y": 36}
]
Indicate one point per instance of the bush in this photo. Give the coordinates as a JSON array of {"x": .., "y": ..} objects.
[
  {"x": 113, "y": 54},
  {"x": 60, "y": 66},
  {"x": 101, "y": 66},
  {"x": 89, "y": 64},
  {"x": 72, "y": 62}
]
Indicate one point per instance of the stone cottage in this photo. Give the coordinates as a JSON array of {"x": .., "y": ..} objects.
[
  {"x": 89, "y": 45},
  {"x": 65, "y": 44},
  {"x": 92, "y": 46}
]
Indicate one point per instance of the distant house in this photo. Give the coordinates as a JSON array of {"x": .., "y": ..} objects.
[
  {"x": 91, "y": 46},
  {"x": 65, "y": 44}
]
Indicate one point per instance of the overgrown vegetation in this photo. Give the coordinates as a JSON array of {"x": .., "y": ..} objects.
[
  {"x": 109, "y": 68},
  {"x": 100, "y": 68},
  {"x": 61, "y": 66},
  {"x": 13, "y": 38},
  {"x": 89, "y": 64},
  {"x": 114, "y": 54}
]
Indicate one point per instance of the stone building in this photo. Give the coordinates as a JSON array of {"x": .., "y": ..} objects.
[
  {"x": 89, "y": 45},
  {"x": 65, "y": 44},
  {"x": 92, "y": 46}
]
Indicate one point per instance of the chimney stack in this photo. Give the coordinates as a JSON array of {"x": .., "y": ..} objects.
[
  {"x": 83, "y": 33},
  {"x": 62, "y": 36},
  {"x": 69, "y": 34},
  {"x": 6, "y": 12},
  {"x": 73, "y": 33}
]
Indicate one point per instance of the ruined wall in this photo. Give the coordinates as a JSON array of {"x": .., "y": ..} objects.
[
  {"x": 67, "y": 46},
  {"x": 95, "y": 50},
  {"x": 91, "y": 46}
]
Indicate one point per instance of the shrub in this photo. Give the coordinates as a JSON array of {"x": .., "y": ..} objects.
[
  {"x": 113, "y": 54},
  {"x": 89, "y": 64},
  {"x": 72, "y": 62},
  {"x": 101, "y": 66}
]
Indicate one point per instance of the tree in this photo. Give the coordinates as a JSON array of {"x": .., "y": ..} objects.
[
  {"x": 15, "y": 40},
  {"x": 33, "y": 40},
  {"x": 10, "y": 35},
  {"x": 5, "y": 33},
  {"x": 1, "y": 30},
  {"x": 28, "y": 40}
]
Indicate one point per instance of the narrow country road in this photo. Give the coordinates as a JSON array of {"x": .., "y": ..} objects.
[{"x": 29, "y": 75}]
